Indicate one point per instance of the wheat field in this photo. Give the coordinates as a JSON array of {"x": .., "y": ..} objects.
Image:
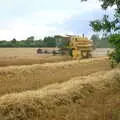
[
  {"x": 22, "y": 78},
  {"x": 27, "y": 56},
  {"x": 66, "y": 100},
  {"x": 45, "y": 87}
]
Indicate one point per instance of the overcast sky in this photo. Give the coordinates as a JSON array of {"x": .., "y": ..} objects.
[{"x": 23, "y": 18}]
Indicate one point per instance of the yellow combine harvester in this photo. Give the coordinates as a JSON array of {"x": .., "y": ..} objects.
[{"x": 79, "y": 47}]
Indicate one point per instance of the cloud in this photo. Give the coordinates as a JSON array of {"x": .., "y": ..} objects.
[
  {"x": 62, "y": 17},
  {"x": 20, "y": 30},
  {"x": 54, "y": 16},
  {"x": 38, "y": 24}
]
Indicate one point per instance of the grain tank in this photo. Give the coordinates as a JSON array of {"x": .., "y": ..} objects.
[{"x": 81, "y": 47}]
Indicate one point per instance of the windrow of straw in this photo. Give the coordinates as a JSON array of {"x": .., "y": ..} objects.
[
  {"x": 43, "y": 104},
  {"x": 22, "y": 78}
]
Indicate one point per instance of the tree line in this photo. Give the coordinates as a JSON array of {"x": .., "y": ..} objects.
[
  {"x": 100, "y": 42},
  {"x": 110, "y": 28},
  {"x": 49, "y": 42},
  {"x": 29, "y": 42}
]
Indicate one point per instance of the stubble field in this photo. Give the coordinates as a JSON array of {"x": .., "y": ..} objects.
[
  {"x": 57, "y": 88},
  {"x": 28, "y": 56}
]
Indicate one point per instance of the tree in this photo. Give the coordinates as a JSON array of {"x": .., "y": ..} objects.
[
  {"x": 100, "y": 42},
  {"x": 49, "y": 42},
  {"x": 105, "y": 24},
  {"x": 111, "y": 28},
  {"x": 30, "y": 39},
  {"x": 14, "y": 40},
  {"x": 95, "y": 37},
  {"x": 109, "y": 3}
]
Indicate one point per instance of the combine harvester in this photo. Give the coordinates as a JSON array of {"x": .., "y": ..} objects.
[{"x": 76, "y": 46}]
